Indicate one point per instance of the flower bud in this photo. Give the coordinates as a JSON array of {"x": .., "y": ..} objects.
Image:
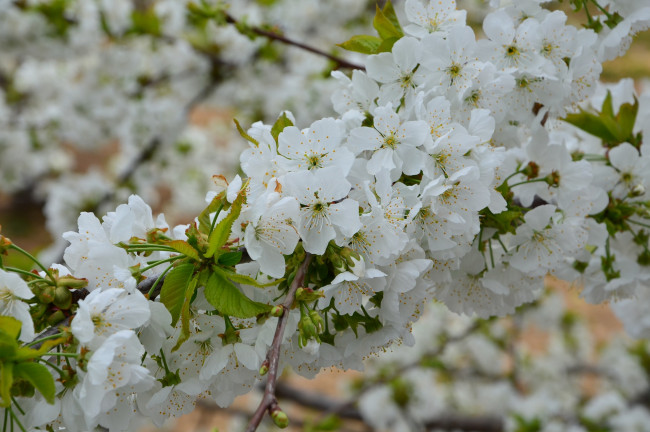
[
  {"x": 317, "y": 320},
  {"x": 307, "y": 327},
  {"x": 277, "y": 311},
  {"x": 637, "y": 190},
  {"x": 46, "y": 295},
  {"x": 56, "y": 318},
  {"x": 72, "y": 282},
  {"x": 280, "y": 418},
  {"x": 308, "y": 295},
  {"x": 264, "y": 369},
  {"x": 62, "y": 297}
]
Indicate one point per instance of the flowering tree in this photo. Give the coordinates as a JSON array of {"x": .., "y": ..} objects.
[{"x": 455, "y": 169}]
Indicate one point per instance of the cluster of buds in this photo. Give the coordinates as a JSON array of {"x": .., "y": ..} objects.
[{"x": 54, "y": 299}]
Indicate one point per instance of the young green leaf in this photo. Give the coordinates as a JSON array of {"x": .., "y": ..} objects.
[
  {"x": 243, "y": 279},
  {"x": 385, "y": 26},
  {"x": 229, "y": 300},
  {"x": 174, "y": 287},
  {"x": 389, "y": 13},
  {"x": 245, "y": 135},
  {"x": 230, "y": 259},
  {"x": 221, "y": 232},
  {"x": 215, "y": 206},
  {"x": 39, "y": 376},
  {"x": 185, "y": 313},
  {"x": 363, "y": 44},
  {"x": 6, "y": 381},
  {"x": 10, "y": 326},
  {"x": 279, "y": 125},
  {"x": 184, "y": 248}
]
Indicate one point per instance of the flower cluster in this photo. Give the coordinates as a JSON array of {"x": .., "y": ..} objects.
[{"x": 457, "y": 170}]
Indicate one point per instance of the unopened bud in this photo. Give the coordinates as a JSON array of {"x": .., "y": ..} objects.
[
  {"x": 62, "y": 297},
  {"x": 264, "y": 369},
  {"x": 72, "y": 282},
  {"x": 56, "y": 317},
  {"x": 277, "y": 311},
  {"x": 637, "y": 190},
  {"x": 317, "y": 320},
  {"x": 308, "y": 295},
  {"x": 46, "y": 295},
  {"x": 280, "y": 418}
]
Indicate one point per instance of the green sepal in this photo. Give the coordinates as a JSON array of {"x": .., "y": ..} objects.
[
  {"x": 174, "y": 287},
  {"x": 220, "y": 233},
  {"x": 229, "y": 300},
  {"x": 39, "y": 376},
  {"x": 363, "y": 44},
  {"x": 245, "y": 135},
  {"x": 282, "y": 122}
]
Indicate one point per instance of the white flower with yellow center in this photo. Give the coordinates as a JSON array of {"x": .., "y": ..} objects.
[{"x": 325, "y": 211}]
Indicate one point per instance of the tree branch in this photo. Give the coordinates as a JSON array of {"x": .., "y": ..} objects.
[
  {"x": 275, "y": 36},
  {"x": 269, "y": 401}
]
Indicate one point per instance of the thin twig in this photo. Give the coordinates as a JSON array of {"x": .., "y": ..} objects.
[
  {"x": 275, "y": 36},
  {"x": 269, "y": 401}
]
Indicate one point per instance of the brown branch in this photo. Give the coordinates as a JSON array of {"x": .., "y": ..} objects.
[
  {"x": 275, "y": 36},
  {"x": 444, "y": 422},
  {"x": 269, "y": 401}
]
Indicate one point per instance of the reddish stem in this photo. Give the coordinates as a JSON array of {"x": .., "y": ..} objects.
[{"x": 269, "y": 401}]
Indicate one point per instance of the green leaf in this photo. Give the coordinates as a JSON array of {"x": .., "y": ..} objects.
[
  {"x": 608, "y": 107},
  {"x": 626, "y": 118},
  {"x": 282, "y": 122},
  {"x": 174, "y": 287},
  {"x": 385, "y": 26},
  {"x": 184, "y": 248},
  {"x": 230, "y": 259},
  {"x": 39, "y": 376},
  {"x": 6, "y": 381},
  {"x": 591, "y": 123},
  {"x": 229, "y": 300},
  {"x": 389, "y": 12},
  {"x": 8, "y": 347},
  {"x": 215, "y": 206},
  {"x": 221, "y": 232},
  {"x": 245, "y": 135},
  {"x": 387, "y": 45},
  {"x": 363, "y": 44},
  {"x": 10, "y": 326},
  {"x": 185, "y": 314},
  {"x": 243, "y": 279}
]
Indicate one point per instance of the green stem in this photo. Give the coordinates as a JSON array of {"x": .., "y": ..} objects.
[
  {"x": 602, "y": 9},
  {"x": 491, "y": 253},
  {"x": 638, "y": 223},
  {"x": 63, "y": 354},
  {"x": 30, "y": 256},
  {"x": 45, "y": 339},
  {"x": 153, "y": 287},
  {"x": 157, "y": 263},
  {"x": 13, "y": 399},
  {"x": 28, "y": 273},
  {"x": 150, "y": 248},
  {"x": 528, "y": 181},
  {"x": 162, "y": 357},
  {"x": 20, "y": 425},
  {"x": 53, "y": 366}
]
